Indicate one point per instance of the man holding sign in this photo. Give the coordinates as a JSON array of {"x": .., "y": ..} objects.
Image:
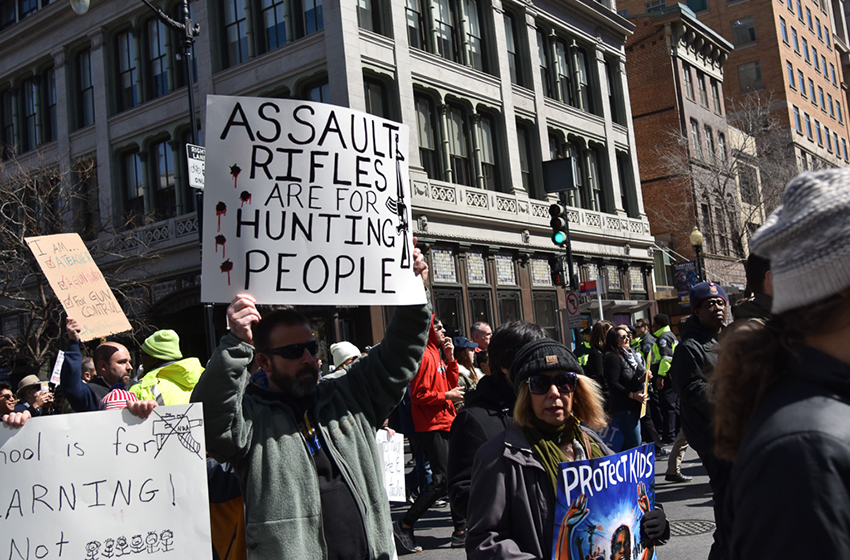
[{"x": 305, "y": 451}]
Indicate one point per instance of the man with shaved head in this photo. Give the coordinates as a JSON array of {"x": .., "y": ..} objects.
[{"x": 111, "y": 364}]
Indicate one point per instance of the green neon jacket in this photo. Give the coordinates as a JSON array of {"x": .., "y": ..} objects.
[
  {"x": 662, "y": 351},
  {"x": 173, "y": 382}
]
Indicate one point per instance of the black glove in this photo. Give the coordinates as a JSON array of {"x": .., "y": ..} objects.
[{"x": 654, "y": 526}]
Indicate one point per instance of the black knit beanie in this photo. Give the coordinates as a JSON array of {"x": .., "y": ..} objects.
[{"x": 543, "y": 354}]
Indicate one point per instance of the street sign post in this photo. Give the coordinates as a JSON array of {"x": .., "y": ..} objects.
[
  {"x": 196, "y": 156},
  {"x": 572, "y": 311}
]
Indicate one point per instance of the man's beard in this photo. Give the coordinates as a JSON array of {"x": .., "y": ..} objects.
[{"x": 302, "y": 384}]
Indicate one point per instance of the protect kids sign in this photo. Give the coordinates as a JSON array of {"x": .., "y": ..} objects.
[
  {"x": 600, "y": 504},
  {"x": 306, "y": 203},
  {"x": 99, "y": 486}
]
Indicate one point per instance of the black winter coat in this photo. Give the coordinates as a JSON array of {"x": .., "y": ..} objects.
[
  {"x": 691, "y": 370},
  {"x": 487, "y": 412},
  {"x": 596, "y": 371},
  {"x": 622, "y": 379},
  {"x": 789, "y": 495}
]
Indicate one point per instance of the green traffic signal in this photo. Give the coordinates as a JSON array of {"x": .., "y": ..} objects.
[
  {"x": 559, "y": 238},
  {"x": 558, "y": 223}
]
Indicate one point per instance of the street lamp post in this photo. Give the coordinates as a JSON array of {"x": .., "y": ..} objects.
[
  {"x": 187, "y": 31},
  {"x": 697, "y": 239}
]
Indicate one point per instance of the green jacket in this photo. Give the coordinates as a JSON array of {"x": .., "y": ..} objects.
[
  {"x": 662, "y": 351},
  {"x": 260, "y": 437},
  {"x": 173, "y": 382}
]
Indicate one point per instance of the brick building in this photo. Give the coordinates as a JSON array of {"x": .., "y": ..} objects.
[
  {"x": 688, "y": 160},
  {"x": 490, "y": 90}
]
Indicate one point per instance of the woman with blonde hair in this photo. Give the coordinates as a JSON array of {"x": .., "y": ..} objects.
[
  {"x": 512, "y": 500},
  {"x": 782, "y": 386}
]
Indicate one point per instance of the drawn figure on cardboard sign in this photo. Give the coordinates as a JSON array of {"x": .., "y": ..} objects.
[
  {"x": 621, "y": 543},
  {"x": 92, "y": 549},
  {"x": 167, "y": 538},
  {"x": 108, "y": 548},
  {"x": 151, "y": 541},
  {"x": 227, "y": 266},
  {"x": 245, "y": 197},
  {"x": 220, "y": 210},
  {"x": 235, "y": 170},
  {"x": 577, "y": 513},
  {"x": 220, "y": 240},
  {"x": 137, "y": 544},
  {"x": 122, "y": 547},
  {"x": 179, "y": 425}
]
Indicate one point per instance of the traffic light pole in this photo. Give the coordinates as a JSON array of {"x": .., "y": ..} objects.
[{"x": 562, "y": 196}]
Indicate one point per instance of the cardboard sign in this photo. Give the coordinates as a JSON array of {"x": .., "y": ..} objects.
[
  {"x": 100, "y": 485},
  {"x": 79, "y": 284},
  {"x": 600, "y": 504},
  {"x": 306, "y": 203},
  {"x": 391, "y": 452}
]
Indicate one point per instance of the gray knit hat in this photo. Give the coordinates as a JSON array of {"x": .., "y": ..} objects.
[{"x": 807, "y": 239}]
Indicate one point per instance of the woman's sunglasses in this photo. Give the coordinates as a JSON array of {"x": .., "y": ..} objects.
[
  {"x": 294, "y": 351},
  {"x": 565, "y": 382}
]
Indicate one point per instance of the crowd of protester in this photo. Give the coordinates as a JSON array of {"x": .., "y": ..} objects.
[{"x": 293, "y": 471}]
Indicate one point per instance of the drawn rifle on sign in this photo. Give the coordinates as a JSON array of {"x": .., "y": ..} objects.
[
  {"x": 400, "y": 207},
  {"x": 181, "y": 426}
]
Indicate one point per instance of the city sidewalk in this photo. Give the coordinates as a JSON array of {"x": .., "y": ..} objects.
[{"x": 688, "y": 508}]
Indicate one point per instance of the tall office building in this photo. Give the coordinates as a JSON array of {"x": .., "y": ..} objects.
[{"x": 490, "y": 89}]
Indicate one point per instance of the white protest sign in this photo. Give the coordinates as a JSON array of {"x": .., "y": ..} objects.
[
  {"x": 100, "y": 485},
  {"x": 57, "y": 367},
  {"x": 306, "y": 203},
  {"x": 391, "y": 453}
]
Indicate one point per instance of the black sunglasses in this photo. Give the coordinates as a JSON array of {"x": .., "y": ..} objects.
[
  {"x": 294, "y": 351},
  {"x": 565, "y": 382}
]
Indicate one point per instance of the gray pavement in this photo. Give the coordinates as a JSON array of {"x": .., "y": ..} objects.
[{"x": 688, "y": 507}]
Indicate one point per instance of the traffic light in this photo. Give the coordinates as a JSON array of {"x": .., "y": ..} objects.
[
  {"x": 559, "y": 224},
  {"x": 556, "y": 266}
]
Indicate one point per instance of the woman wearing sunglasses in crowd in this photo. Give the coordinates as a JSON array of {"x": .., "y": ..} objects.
[
  {"x": 512, "y": 500},
  {"x": 626, "y": 378}
]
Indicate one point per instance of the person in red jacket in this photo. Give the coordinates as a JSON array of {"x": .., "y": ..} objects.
[{"x": 433, "y": 392}]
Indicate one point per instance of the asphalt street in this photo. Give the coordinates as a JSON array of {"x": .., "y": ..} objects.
[{"x": 688, "y": 508}]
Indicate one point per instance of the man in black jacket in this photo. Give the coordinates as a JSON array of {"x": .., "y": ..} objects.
[{"x": 693, "y": 364}]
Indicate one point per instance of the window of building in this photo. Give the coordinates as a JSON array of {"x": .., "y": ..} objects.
[
  {"x": 823, "y": 63},
  {"x": 711, "y": 154},
  {"x": 816, "y": 60},
  {"x": 444, "y": 28},
  {"x": 488, "y": 152},
  {"x": 747, "y": 178},
  {"x": 795, "y": 40},
  {"x": 544, "y": 64},
  {"x": 7, "y": 116},
  {"x": 594, "y": 182},
  {"x": 808, "y": 125},
  {"x": 708, "y": 244},
  {"x": 85, "y": 86},
  {"x": 415, "y": 28},
  {"x": 819, "y": 133},
  {"x": 844, "y": 148},
  {"x": 164, "y": 196},
  {"x": 128, "y": 93},
  {"x": 313, "y": 16},
  {"x": 546, "y": 312},
  {"x": 826, "y": 35},
  {"x": 565, "y": 81},
  {"x": 475, "y": 45},
  {"x": 655, "y": 5},
  {"x": 749, "y": 77},
  {"x": 703, "y": 94},
  {"x": 820, "y": 97},
  {"x": 377, "y": 99},
  {"x": 578, "y": 197},
  {"x": 802, "y": 79},
  {"x": 790, "y": 70},
  {"x": 812, "y": 92},
  {"x": 428, "y": 156},
  {"x": 50, "y": 124},
  {"x": 799, "y": 10},
  {"x": 838, "y": 112},
  {"x": 157, "y": 58},
  {"x": 585, "y": 96},
  {"x": 510, "y": 308},
  {"x": 828, "y": 139},
  {"x": 524, "y": 147},
  {"x": 134, "y": 190},
  {"x": 743, "y": 31},
  {"x": 368, "y": 15},
  {"x": 612, "y": 73},
  {"x": 819, "y": 29},
  {"x": 689, "y": 84},
  {"x": 698, "y": 5},
  {"x": 320, "y": 92},
  {"x": 797, "y": 124},
  {"x": 790, "y": 5},
  {"x": 276, "y": 20},
  {"x": 459, "y": 150},
  {"x": 720, "y": 228},
  {"x": 721, "y": 146},
  {"x": 29, "y": 129},
  {"x": 832, "y": 73},
  {"x": 715, "y": 96},
  {"x": 513, "y": 56},
  {"x": 235, "y": 32},
  {"x": 809, "y": 19},
  {"x": 806, "y": 51},
  {"x": 696, "y": 141},
  {"x": 783, "y": 28}
]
